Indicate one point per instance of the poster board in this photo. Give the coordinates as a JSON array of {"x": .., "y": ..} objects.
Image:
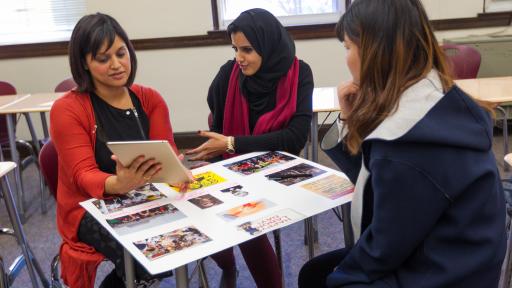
[{"x": 231, "y": 202}]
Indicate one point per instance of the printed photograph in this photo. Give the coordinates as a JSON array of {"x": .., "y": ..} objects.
[
  {"x": 246, "y": 209},
  {"x": 237, "y": 190},
  {"x": 203, "y": 180},
  {"x": 332, "y": 187},
  {"x": 145, "y": 219},
  {"x": 271, "y": 222},
  {"x": 258, "y": 163},
  {"x": 295, "y": 174},
  {"x": 171, "y": 242},
  {"x": 141, "y": 195},
  {"x": 205, "y": 201}
]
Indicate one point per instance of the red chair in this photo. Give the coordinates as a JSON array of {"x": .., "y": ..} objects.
[
  {"x": 464, "y": 60},
  {"x": 49, "y": 163},
  {"x": 66, "y": 85},
  {"x": 27, "y": 153}
]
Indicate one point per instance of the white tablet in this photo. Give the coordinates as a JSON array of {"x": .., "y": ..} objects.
[{"x": 172, "y": 171}]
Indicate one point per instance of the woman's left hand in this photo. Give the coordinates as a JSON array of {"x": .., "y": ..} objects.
[{"x": 216, "y": 145}]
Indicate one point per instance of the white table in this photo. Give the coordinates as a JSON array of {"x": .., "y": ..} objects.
[
  {"x": 30, "y": 260},
  {"x": 25, "y": 104},
  {"x": 498, "y": 91},
  {"x": 224, "y": 233}
]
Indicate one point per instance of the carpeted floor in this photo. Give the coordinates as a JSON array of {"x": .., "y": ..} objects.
[{"x": 44, "y": 239}]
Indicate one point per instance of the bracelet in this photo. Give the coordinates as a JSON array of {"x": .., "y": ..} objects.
[{"x": 230, "y": 149}]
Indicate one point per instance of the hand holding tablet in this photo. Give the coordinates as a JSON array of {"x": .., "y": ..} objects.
[{"x": 173, "y": 171}]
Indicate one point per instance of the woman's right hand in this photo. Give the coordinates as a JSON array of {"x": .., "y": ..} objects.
[
  {"x": 347, "y": 93},
  {"x": 130, "y": 177}
]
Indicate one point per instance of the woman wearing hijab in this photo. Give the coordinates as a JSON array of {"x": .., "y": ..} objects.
[{"x": 260, "y": 101}]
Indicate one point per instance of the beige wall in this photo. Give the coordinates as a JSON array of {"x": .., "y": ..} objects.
[{"x": 183, "y": 75}]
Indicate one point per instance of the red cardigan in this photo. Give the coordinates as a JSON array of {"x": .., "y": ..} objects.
[{"x": 73, "y": 130}]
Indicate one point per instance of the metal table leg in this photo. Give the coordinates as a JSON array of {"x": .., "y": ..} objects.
[
  {"x": 310, "y": 234},
  {"x": 311, "y": 225},
  {"x": 506, "y": 167},
  {"x": 15, "y": 157},
  {"x": 32, "y": 131},
  {"x": 44, "y": 124},
  {"x": 348, "y": 234},
  {"x": 181, "y": 274},
  {"x": 129, "y": 270},
  {"x": 35, "y": 142},
  {"x": 30, "y": 260}
]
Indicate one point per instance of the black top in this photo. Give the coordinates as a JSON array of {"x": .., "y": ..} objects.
[
  {"x": 290, "y": 139},
  {"x": 114, "y": 124}
]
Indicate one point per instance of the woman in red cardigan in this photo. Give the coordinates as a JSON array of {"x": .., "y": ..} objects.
[{"x": 106, "y": 106}]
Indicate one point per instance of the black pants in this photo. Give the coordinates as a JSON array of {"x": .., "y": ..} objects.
[
  {"x": 314, "y": 273},
  {"x": 93, "y": 234}
]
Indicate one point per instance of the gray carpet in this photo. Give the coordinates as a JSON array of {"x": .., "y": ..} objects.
[{"x": 44, "y": 239}]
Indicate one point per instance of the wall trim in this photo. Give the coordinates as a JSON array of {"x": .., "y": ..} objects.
[{"x": 216, "y": 38}]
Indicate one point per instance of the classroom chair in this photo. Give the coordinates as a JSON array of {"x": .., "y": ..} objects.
[
  {"x": 463, "y": 59},
  {"x": 49, "y": 161},
  {"x": 27, "y": 153},
  {"x": 65, "y": 85}
]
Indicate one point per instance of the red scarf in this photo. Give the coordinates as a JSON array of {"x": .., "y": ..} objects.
[{"x": 236, "y": 110}]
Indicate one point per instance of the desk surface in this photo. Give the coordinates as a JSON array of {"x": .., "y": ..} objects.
[
  {"x": 495, "y": 89},
  {"x": 227, "y": 215},
  {"x": 325, "y": 99},
  {"x": 508, "y": 158},
  {"x": 26, "y": 103},
  {"x": 6, "y": 167}
]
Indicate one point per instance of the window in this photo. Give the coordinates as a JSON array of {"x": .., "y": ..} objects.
[
  {"x": 32, "y": 21},
  {"x": 497, "y": 5},
  {"x": 289, "y": 12}
]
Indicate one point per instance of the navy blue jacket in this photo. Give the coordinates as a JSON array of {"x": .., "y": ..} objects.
[{"x": 429, "y": 209}]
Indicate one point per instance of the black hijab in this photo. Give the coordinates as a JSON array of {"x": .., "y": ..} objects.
[{"x": 276, "y": 48}]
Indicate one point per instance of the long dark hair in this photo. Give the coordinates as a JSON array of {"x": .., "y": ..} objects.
[
  {"x": 88, "y": 36},
  {"x": 397, "y": 48}
]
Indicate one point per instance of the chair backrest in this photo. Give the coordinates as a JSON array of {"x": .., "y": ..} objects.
[
  {"x": 49, "y": 165},
  {"x": 65, "y": 85},
  {"x": 210, "y": 121},
  {"x": 6, "y": 88},
  {"x": 463, "y": 59}
]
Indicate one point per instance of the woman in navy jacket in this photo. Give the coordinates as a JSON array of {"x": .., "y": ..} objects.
[{"x": 428, "y": 207}]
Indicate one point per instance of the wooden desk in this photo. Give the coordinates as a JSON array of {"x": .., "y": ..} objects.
[
  {"x": 30, "y": 260},
  {"x": 497, "y": 90},
  {"x": 25, "y": 104}
]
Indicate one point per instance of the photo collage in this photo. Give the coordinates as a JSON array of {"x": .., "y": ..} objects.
[
  {"x": 141, "y": 208},
  {"x": 236, "y": 204}
]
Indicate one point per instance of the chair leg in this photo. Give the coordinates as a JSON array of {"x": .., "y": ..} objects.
[
  {"x": 4, "y": 278},
  {"x": 508, "y": 260},
  {"x": 203, "y": 279},
  {"x": 42, "y": 188},
  {"x": 54, "y": 272}
]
